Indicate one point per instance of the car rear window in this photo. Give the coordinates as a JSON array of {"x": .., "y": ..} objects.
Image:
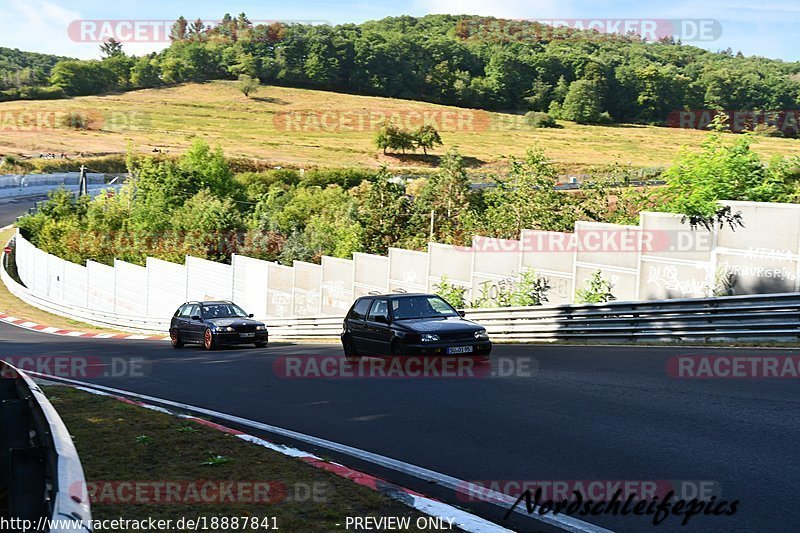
[{"x": 359, "y": 311}]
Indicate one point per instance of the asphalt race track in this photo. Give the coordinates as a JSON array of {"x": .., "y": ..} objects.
[
  {"x": 566, "y": 413},
  {"x": 11, "y": 208},
  {"x": 586, "y": 413}
]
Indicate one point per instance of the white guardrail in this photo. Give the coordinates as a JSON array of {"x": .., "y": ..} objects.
[
  {"x": 42, "y": 472},
  {"x": 756, "y": 317}
]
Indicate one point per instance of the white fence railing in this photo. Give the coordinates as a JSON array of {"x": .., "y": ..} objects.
[{"x": 767, "y": 316}]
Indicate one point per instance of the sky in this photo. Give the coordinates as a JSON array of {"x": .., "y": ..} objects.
[{"x": 769, "y": 28}]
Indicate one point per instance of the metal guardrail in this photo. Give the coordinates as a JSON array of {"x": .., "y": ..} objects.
[
  {"x": 756, "y": 317},
  {"x": 40, "y": 473}
]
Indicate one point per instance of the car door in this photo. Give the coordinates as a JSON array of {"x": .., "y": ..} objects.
[
  {"x": 194, "y": 328},
  {"x": 356, "y": 325},
  {"x": 377, "y": 332},
  {"x": 179, "y": 321}
]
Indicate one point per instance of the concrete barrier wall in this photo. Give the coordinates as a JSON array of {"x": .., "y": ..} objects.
[
  {"x": 250, "y": 282},
  {"x": 496, "y": 265},
  {"x": 208, "y": 280},
  {"x": 611, "y": 249},
  {"x": 129, "y": 280},
  {"x": 307, "y": 288},
  {"x": 762, "y": 256},
  {"x": 370, "y": 275},
  {"x": 551, "y": 254},
  {"x": 337, "y": 285},
  {"x": 408, "y": 270},
  {"x": 166, "y": 287},
  {"x": 280, "y": 290},
  {"x": 661, "y": 258},
  {"x": 676, "y": 262},
  {"x": 451, "y": 262}
]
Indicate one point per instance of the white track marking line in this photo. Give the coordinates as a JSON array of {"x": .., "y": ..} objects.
[{"x": 565, "y": 523}]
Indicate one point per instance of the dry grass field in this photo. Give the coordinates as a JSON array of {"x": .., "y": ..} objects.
[{"x": 298, "y": 127}]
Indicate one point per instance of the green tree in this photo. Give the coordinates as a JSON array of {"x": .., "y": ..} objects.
[
  {"x": 111, "y": 48},
  {"x": 426, "y": 137},
  {"x": 145, "y": 73},
  {"x": 383, "y": 211},
  {"x": 583, "y": 102},
  {"x": 527, "y": 199},
  {"x": 248, "y": 85},
  {"x": 722, "y": 170},
  {"x": 82, "y": 78},
  {"x": 446, "y": 197}
]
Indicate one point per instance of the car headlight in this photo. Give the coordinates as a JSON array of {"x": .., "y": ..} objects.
[
  {"x": 225, "y": 328},
  {"x": 262, "y": 327},
  {"x": 428, "y": 337},
  {"x": 482, "y": 335}
]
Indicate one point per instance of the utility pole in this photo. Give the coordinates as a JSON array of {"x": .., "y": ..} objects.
[
  {"x": 83, "y": 188},
  {"x": 430, "y": 237}
]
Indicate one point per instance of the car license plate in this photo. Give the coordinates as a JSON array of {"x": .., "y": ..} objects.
[
  {"x": 459, "y": 349},
  {"x": 247, "y": 334}
]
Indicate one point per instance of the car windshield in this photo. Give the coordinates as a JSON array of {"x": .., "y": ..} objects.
[
  {"x": 222, "y": 311},
  {"x": 421, "y": 307}
]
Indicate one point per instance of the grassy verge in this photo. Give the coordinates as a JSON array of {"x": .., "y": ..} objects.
[
  {"x": 11, "y": 305},
  {"x": 122, "y": 443}
]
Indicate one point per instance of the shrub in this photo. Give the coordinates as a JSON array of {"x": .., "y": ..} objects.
[
  {"x": 597, "y": 290},
  {"x": 536, "y": 119},
  {"x": 452, "y": 293},
  {"x": 531, "y": 289}
]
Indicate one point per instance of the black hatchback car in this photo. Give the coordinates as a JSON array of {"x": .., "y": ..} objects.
[
  {"x": 410, "y": 324},
  {"x": 213, "y": 324}
]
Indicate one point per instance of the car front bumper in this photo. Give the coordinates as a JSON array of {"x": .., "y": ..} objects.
[
  {"x": 479, "y": 348},
  {"x": 233, "y": 337}
]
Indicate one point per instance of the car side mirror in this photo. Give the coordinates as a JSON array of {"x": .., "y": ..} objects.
[
  {"x": 462, "y": 313},
  {"x": 250, "y": 315},
  {"x": 195, "y": 317},
  {"x": 382, "y": 319}
]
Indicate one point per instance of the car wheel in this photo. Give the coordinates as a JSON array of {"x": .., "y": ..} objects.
[
  {"x": 208, "y": 340},
  {"x": 397, "y": 349},
  {"x": 350, "y": 351},
  {"x": 175, "y": 338},
  {"x": 260, "y": 344}
]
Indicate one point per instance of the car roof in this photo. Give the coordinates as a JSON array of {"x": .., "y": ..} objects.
[
  {"x": 395, "y": 295},
  {"x": 207, "y": 302}
]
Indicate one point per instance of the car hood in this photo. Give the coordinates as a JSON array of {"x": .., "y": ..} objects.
[
  {"x": 234, "y": 321},
  {"x": 454, "y": 324}
]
